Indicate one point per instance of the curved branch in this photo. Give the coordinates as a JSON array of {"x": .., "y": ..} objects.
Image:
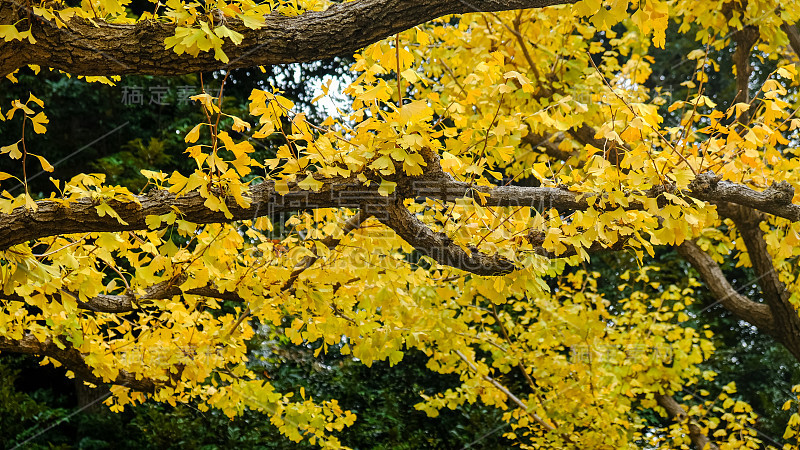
[
  {"x": 676, "y": 412},
  {"x": 123, "y": 303},
  {"x": 508, "y": 394},
  {"x": 439, "y": 246},
  {"x": 72, "y": 359},
  {"x": 55, "y": 218},
  {"x": 100, "y": 48},
  {"x": 748, "y": 224},
  {"x": 794, "y": 37},
  {"x": 756, "y": 314},
  {"x": 786, "y": 320}
]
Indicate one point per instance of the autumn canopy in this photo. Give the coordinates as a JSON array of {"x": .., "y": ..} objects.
[{"x": 486, "y": 153}]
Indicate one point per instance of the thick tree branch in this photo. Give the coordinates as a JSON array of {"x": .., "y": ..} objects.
[
  {"x": 128, "y": 302},
  {"x": 775, "y": 200},
  {"x": 81, "y": 216},
  {"x": 794, "y": 37},
  {"x": 756, "y": 314},
  {"x": 122, "y": 303},
  {"x": 537, "y": 239},
  {"x": 72, "y": 359},
  {"x": 676, "y": 412},
  {"x": 747, "y": 223},
  {"x": 101, "y": 48},
  {"x": 52, "y": 218},
  {"x": 785, "y": 318},
  {"x": 745, "y": 39}
]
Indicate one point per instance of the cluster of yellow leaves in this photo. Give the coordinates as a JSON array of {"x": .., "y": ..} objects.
[
  {"x": 201, "y": 26},
  {"x": 588, "y": 368},
  {"x": 18, "y": 150},
  {"x": 472, "y": 91},
  {"x": 729, "y": 422}
]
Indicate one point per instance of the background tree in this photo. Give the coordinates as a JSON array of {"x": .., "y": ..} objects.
[{"x": 483, "y": 162}]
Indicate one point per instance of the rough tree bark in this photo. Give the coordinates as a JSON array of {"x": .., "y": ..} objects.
[
  {"x": 119, "y": 49},
  {"x": 54, "y": 218}
]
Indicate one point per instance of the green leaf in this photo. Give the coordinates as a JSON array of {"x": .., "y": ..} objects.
[{"x": 386, "y": 187}]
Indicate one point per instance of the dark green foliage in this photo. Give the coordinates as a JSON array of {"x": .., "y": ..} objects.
[
  {"x": 383, "y": 397},
  {"x": 139, "y": 123}
]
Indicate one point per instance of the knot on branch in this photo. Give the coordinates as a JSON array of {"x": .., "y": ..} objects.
[
  {"x": 433, "y": 167},
  {"x": 657, "y": 191},
  {"x": 704, "y": 183},
  {"x": 780, "y": 193},
  {"x": 536, "y": 237}
]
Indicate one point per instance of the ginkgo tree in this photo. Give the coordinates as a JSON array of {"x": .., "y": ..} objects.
[{"x": 487, "y": 153}]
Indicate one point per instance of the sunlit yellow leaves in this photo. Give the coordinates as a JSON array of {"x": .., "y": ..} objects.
[
  {"x": 39, "y": 121},
  {"x": 46, "y": 166},
  {"x": 513, "y": 99},
  {"x": 738, "y": 109},
  {"x": 191, "y": 41},
  {"x": 384, "y": 165},
  {"x": 413, "y": 164},
  {"x": 653, "y": 15},
  {"x": 410, "y": 76},
  {"x": 387, "y": 56},
  {"x": 104, "y": 208},
  {"x": 380, "y": 92},
  {"x": 309, "y": 183},
  {"x": 12, "y": 150},
  {"x": 524, "y": 82},
  {"x": 788, "y": 72},
  {"x": 193, "y": 134},
  {"x": 271, "y": 107},
  {"x": 605, "y": 18},
  {"x": 225, "y": 32},
  {"x": 631, "y": 134},
  {"x": 10, "y": 33},
  {"x": 773, "y": 88},
  {"x": 415, "y": 111}
]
